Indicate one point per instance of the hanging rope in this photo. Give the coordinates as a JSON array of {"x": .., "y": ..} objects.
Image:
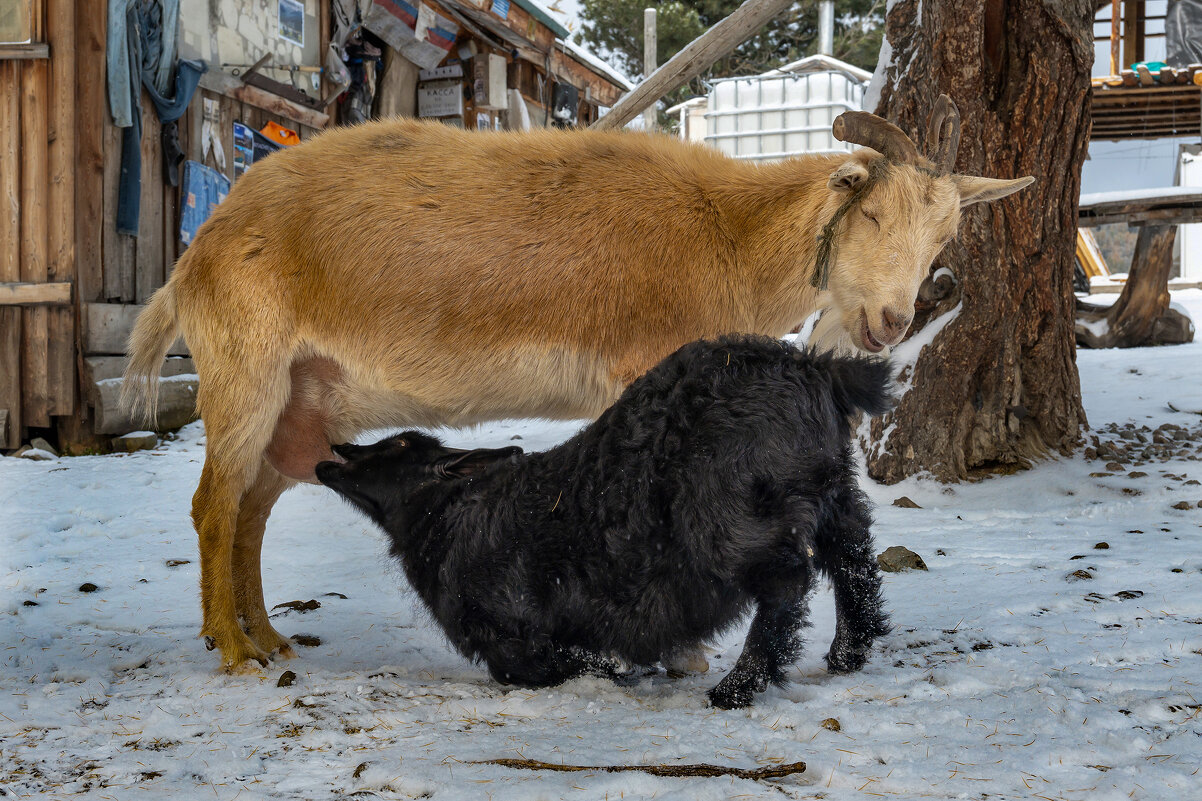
[{"x": 826, "y": 252}]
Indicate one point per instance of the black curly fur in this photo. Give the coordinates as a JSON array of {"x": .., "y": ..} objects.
[{"x": 720, "y": 481}]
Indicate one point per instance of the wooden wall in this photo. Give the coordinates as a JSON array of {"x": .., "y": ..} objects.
[
  {"x": 37, "y": 242},
  {"x": 62, "y": 262}
]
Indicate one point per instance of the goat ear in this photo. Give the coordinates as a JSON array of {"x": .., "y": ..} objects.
[
  {"x": 847, "y": 177},
  {"x": 460, "y": 465},
  {"x": 975, "y": 189}
]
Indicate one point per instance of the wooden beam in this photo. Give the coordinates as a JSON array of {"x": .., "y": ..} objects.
[
  {"x": 225, "y": 84},
  {"x": 106, "y": 329},
  {"x": 15, "y": 293},
  {"x": 693, "y": 59},
  {"x": 20, "y": 52},
  {"x": 4, "y": 426}
]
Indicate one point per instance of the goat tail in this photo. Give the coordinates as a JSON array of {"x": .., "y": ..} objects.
[
  {"x": 156, "y": 328},
  {"x": 861, "y": 383}
]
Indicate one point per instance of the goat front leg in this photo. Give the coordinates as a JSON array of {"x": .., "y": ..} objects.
[
  {"x": 846, "y": 554},
  {"x": 774, "y": 639}
]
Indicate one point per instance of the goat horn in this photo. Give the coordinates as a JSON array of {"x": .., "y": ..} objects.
[
  {"x": 862, "y": 128},
  {"x": 943, "y": 133}
]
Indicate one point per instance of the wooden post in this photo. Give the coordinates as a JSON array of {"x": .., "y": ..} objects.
[
  {"x": 1114, "y": 36},
  {"x": 693, "y": 59},
  {"x": 650, "y": 60},
  {"x": 1134, "y": 16}
]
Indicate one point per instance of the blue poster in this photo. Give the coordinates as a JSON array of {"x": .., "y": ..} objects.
[
  {"x": 500, "y": 8},
  {"x": 203, "y": 189}
]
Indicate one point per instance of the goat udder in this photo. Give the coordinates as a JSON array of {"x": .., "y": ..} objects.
[{"x": 301, "y": 438}]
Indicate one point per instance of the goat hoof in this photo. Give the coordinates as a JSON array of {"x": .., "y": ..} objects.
[
  {"x": 210, "y": 643},
  {"x": 845, "y": 659},
  {"x": 733, "y": 697}
]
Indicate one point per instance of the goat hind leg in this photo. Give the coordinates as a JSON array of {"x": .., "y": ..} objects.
[
  {"x": 774, "y": 639},
  {"x": 215, "y": 515},
  {"x": 253, "y": 511},
  {"x": 846, "y": 554}
]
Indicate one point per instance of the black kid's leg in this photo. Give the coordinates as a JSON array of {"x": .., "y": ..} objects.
[
  {"x": 774, "y": 639},
  {"x": 846, "y": 554}
]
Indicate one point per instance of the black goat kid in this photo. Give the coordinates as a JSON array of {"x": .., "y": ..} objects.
[{"x": 721, "y": 479}]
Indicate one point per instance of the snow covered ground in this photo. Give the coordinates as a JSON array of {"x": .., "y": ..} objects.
[{"x": 1006, "y": 676}]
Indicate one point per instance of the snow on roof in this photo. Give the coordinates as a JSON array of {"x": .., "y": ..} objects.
[
  {"x": 583, "y": 54},
  {"x": 1128, "y": 195}
]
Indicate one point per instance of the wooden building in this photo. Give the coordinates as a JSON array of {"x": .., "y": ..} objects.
[
  {"x": 71, "y": 285},
  {"x": 1138, "y": 100}
]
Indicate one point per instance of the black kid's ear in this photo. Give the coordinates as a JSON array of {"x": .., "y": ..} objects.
[{"x": 461, "y": 465}]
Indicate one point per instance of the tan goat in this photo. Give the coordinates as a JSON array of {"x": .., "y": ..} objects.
[{"x": 402, "y": 273}]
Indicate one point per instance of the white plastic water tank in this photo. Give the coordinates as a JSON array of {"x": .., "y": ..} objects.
[{"x": 786, "y": 112}]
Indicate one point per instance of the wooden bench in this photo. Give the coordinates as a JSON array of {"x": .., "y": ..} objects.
[{"x": 1141, "y": 315}]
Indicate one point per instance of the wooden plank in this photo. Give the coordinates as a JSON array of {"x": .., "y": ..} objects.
[
  {"x": 227, "y": 85},
  {"x": 35, "y": 390},
  {"x": 106, "y": 328},
  {"x": 90, "y": 112},
  {"x": 20, "y": 52},
  {"x": 60, "y": 356},
  {"x": 4, "y": 427},
  {"x": 148, "y": 265},
  {"x": 10, "y": 175},
  {"x": 693, "y": 59},
  {"x": 15, "y": 293},
  {"x": 10, "y": 374},
  {"x": 118, "y": 249},
  {"x": 10, "y": 247}
]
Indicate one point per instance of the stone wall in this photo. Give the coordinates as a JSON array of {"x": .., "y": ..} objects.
[{"x": 239, "y": 32}]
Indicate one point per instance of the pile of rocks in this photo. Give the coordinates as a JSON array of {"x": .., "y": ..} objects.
[{"x": 1129, "y": 444}]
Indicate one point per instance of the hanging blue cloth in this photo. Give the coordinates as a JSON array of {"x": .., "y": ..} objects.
[{"x": 144, "y": 29}]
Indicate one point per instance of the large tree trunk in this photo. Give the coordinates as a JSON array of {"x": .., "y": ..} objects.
[{"x": 997, "y": 386}]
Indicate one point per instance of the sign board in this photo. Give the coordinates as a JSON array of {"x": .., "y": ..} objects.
[
  {"x": 497, "y": 70},
  {"x": 439, "y": 73},
  {"x": 440, "y": 99}
]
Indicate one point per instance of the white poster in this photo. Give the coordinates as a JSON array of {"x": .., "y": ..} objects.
[{"x": 292, "y": 21}]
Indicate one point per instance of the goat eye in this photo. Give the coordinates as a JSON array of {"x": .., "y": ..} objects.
[{"x": 871, "y": 216}]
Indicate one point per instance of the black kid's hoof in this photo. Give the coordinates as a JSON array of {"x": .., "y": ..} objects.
[{"x": 731, "y": 697}]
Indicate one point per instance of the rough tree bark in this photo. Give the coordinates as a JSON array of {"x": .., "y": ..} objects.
[{"x": 997, "y": 386}]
